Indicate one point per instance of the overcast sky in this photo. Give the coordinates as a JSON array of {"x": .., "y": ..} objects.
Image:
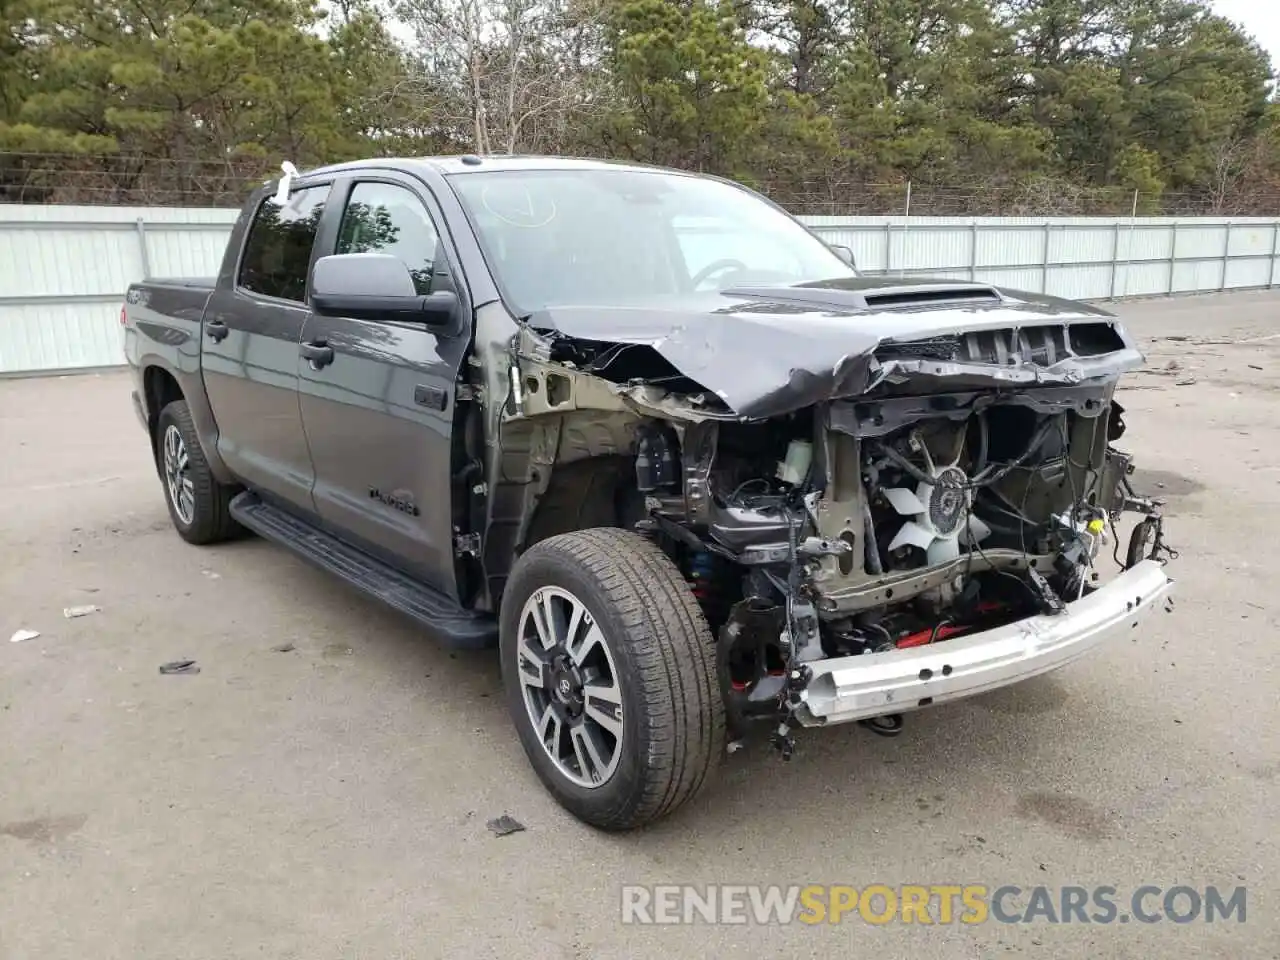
[{"x": 1258, "y": 17}]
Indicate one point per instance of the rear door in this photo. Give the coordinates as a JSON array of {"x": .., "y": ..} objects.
[
  {"x": 252, "y": 328},
  {"x": 379, "y": 417}
]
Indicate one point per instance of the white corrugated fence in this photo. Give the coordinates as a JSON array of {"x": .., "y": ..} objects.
[{"x": 64, "y": 269}]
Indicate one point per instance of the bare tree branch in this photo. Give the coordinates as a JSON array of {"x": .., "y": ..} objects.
[{"x": 514, "y": 68}]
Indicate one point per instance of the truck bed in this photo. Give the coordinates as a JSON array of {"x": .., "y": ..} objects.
[
  {"x": 168, "y": 300},
  {"x": 161, "y": 322}
]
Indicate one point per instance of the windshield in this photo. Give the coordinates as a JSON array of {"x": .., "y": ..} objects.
[{"x": 575, "y": 237}]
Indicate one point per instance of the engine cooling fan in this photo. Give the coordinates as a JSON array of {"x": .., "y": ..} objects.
[{"x": 938, "y": 514}]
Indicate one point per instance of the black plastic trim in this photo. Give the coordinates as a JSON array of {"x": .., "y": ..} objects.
[{"x": 452, "y": 625}]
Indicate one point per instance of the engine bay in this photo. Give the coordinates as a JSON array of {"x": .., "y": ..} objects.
[{"x": 862, "y": 527}]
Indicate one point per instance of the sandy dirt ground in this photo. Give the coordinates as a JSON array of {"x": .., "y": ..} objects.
[{"x": 331, "y": 801}]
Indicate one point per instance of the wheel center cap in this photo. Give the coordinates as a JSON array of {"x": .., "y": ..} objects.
[{"x": 566, "y": 685}]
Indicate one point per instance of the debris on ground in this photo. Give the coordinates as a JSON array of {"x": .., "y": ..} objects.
[
  {"x": 1254, "y": 366},
  {"x": 179, "y": 666},
  {"x": 20, "y": 635},
  {"x": 211, "y": 575},
  {"x": 283, "y": 648},
  {"x": 1184, "y": 383},
  {"x": 81, "y": 611},
  {"x": 504, "y": 825}
]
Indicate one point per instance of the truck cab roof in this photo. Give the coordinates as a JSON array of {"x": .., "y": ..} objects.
[{"x": 471, "y": 163}]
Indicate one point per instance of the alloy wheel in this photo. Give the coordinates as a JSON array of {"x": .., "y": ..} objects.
[
  {"x": 569, "y": 684},
  {"x": 177, "y": 475}
]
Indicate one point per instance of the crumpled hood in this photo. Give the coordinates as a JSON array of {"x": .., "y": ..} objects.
[{"x": 768, "y": 351}]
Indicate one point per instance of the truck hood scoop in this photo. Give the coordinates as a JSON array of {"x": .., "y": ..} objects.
[{"x": 861, "y": 297}]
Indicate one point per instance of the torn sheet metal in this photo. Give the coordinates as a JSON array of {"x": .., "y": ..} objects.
[{"x": 766, "y": 352}]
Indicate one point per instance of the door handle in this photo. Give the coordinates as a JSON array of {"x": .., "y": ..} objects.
[
  {"x": 318, "y": 352},
  {"x": 216, "y": 330}
]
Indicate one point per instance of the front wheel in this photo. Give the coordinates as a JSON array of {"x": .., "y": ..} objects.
[{"x": 609, "y": 672}]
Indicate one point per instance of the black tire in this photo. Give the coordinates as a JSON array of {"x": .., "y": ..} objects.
[
  {"x": 210, "y": 519},
  {"x": 673, "y": 726}
]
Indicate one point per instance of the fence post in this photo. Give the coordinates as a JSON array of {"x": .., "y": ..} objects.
[
  {"x": 141, "y": 227},
  {"x": 906, "y": 220},
  {"x": 973, "y": 249},
  {"x": 1226, "y": 255},
  {"x": 1115, "y": 258},
  {"x": 1044, "y": 267},
  {"x": 1173, "y": 255},
  {"x": 888, "y": 247},
  {"x": 1128, "y": 250},
  {"x": 1275, "y": 249}
]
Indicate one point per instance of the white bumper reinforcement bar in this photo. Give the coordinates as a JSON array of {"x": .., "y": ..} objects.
[{"x": 873, "y": 685}]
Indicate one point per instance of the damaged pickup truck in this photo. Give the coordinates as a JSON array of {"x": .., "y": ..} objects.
[{"x": 688, "y": 470}]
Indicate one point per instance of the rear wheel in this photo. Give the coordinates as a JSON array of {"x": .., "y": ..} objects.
[
  {"x": 609, "y": 672},
  {"x": 198, "y": 505}
]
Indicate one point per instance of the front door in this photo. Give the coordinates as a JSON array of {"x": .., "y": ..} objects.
[
  {"x": 252, "y": 327},
  {"x": 379, "y": 416}
]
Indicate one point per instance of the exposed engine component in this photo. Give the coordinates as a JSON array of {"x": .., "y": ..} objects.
[
  {"x": 939, "y": 513},
  {"x": 795, "y": 468},
  {"x": 813, "y": 539},
  {"x": 657, "y": 463}
]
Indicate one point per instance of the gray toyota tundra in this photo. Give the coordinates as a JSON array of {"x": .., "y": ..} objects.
[{"x": 662, "y": 446}]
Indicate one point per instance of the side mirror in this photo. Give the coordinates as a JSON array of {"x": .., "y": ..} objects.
[
  {"x": 379, "y": 287},
  {"x": 844, "y": 253}
]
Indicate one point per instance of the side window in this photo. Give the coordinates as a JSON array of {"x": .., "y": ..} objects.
[
  {"x": 384, "y": 218},
  {"x": 278, "y": 250}
]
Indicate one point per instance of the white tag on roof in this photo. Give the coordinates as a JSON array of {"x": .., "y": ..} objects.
[{"x": 282, "y": 189}]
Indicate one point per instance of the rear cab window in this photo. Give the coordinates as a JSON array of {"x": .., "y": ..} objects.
[{"x": 277, "y": 252}]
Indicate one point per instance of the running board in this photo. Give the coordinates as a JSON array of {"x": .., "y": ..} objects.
[{"x": 449, "y": 623}]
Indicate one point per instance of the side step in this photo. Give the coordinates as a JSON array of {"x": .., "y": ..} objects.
[{"x": 451, "y": 624}]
